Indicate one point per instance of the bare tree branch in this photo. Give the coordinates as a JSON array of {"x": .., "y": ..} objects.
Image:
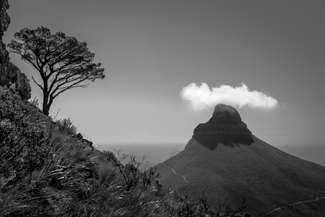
[
  {"x": 70, "y": 87},
  {"x": 37, "y": 83}
]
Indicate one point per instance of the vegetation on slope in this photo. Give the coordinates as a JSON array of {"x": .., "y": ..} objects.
[{"x": 47, "y": 169}]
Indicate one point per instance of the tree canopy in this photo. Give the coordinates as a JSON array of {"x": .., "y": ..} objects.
[{"x": 62, "y": 61}]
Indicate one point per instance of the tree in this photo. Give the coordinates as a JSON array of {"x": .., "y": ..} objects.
[{"x": 62, "y": 61}]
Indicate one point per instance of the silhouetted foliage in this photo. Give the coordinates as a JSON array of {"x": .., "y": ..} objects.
[{"x": 62, "y": 61}]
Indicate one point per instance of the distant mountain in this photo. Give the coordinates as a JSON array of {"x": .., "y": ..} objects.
[{"x": 227, "y": 162}]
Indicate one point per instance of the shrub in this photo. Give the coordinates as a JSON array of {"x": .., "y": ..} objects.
[
  {"x": 22, "y": 136},
  {"x": 66, "y": 126}
]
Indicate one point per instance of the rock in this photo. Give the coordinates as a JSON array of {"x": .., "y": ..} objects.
[
  {"x": 224, "y": 127},
  {"x": 5, "y": 19},
  {"x": 86, "y": 144},
  {"x": 20, "y": 81},
  {"x": 10, "y": 75}
]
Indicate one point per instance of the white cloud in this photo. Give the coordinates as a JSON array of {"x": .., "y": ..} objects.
[{"x": 201, "y": 97}]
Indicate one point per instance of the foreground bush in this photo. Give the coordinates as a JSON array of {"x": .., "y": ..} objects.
[{"x": 23, "y": 131}]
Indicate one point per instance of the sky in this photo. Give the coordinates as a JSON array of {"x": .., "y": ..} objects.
[{"x": 152, "y": 50}]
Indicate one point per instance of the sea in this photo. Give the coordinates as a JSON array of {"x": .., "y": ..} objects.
[
  {"x": 152, "y": 153},
  {"x": 155, "y": 153}
]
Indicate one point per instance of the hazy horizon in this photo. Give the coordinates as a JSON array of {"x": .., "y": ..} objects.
[{"x": 158, "y": 152}]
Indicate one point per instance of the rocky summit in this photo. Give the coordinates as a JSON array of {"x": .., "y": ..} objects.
[{"x": 224, "y": 127}]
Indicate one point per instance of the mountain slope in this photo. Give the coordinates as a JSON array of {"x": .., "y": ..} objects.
[{"x": 265, "y": 175}]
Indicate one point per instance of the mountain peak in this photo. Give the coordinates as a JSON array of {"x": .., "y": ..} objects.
[
  {"x": 224, "y": 127},
  {"x": 223, "y": 108},
  {"x": 225, "y": 112},
  {"x": 224, "y": 158}
]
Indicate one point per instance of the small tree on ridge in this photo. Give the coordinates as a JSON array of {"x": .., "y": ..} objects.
[{"x": 62, "y": 61}]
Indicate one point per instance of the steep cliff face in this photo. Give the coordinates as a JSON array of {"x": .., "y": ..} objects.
[
  {"x": 4, "y": 55},
  {"x": 10, "y": 75},
  {"x": 225, "y": 126},
  {"x": 5, "y": 19}
]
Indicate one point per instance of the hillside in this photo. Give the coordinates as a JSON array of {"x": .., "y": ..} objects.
[{"x": 266, "y": 176}]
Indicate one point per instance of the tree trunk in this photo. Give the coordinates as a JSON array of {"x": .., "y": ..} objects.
[
  {"x": 46, "y": 106},
  {"x": 47, "y": 100},
  {"x": 47, "y": 103},
  {"x": 46, "y": 109}
]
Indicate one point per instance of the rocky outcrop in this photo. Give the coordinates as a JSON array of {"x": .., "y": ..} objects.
[
  {"x": 10, "y": 75},
  {"x": 224, "y": 127},
  {"x": 5, "y": 19},
  {"x": 4, "y": 23}
]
